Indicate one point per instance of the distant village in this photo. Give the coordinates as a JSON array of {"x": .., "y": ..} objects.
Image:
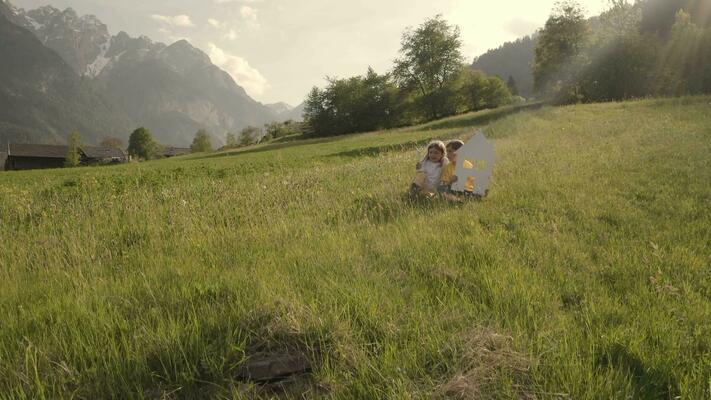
[{"x": 39, "y": 156}]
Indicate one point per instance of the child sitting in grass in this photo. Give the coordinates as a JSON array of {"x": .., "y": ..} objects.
[
  {"x": 448, "y": 176},
  {"x": 429, "y": 170}
]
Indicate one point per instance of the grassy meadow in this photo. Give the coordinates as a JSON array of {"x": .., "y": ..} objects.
[{"x": 585, "y": 274}]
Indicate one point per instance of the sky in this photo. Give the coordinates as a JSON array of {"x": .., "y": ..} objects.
[{"x": 279, "y": 49}]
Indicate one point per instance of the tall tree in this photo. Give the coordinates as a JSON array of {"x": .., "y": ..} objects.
[
  {"x": 142, "y": 145},
  {"x": 511, "y": 83},
  {"x": 430, "y": 59},
  {"x": 201, "y": 142},
  {"x": 316, "y": 113},
  {"x": 559, "y": 42},
  {"x": 73, "y": 157}
]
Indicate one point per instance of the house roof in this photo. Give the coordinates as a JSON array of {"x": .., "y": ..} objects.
[
  {"x": 60, "y": 151},
  {"x": 102, "y": 152},
  {"x": 176, "y": 151},
  {"x": 38, "y": 150}
]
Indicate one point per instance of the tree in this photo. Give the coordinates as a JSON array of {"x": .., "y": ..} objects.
[
  {"x": 479, "y": 91},
  {"x": 112, "y": 142},
  {"x": 559, "y": 42},
  {"x": 275, "y": 130},
  {"x": 430, "y": 61},
  {"x": 316, "y": 114},
  {"x": 496, "y": 93},
  {"x": 686, "y": 58},
  {"x": 142, "y": 145},
  {"x": 231, "y": 141},
  {"x": 511, "y": 83},
  {"x": 73, "y": 157},
  {"x": 249, "y": 135},
  {"x": 619, "y": 60},
  {"x": 357, "y": 104},
  {"x": 201, "y": 142}
]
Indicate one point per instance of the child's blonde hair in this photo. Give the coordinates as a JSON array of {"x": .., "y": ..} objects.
[{"x": 439, "y": 145}]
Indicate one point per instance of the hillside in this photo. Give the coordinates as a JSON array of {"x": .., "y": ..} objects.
[
  {"x": 42, "y": 100},
  {"x": 584, "y": 274},
  {"x": 511, "y": 59},
  {"x": 174, "y": 90}
]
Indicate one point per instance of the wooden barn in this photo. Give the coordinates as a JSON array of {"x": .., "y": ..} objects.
[
  {"x": 3, "y": 159},
  {"x": 175, "y": 151},
  {"x": 92, "y": 155},
  {"x": 38, "y": 156},
  {"x": 35, "y": 156}
]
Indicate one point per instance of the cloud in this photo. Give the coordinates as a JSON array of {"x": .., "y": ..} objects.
[
  {"x": 231, "y": 34},
  {"x": 245, "y": 75},
  {"x": 215, "y": 23},
  {"x": 520, "y": 27},
  {"x": 178, "y": 20}
]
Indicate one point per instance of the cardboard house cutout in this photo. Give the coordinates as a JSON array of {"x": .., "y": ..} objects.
[{"x": 475, "y": 164}]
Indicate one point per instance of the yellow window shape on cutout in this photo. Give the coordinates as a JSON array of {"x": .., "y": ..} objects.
[
  {"x": 469, "y": 186},
  {"x": 478, "y": 165}
]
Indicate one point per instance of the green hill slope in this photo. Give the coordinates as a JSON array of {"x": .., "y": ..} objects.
[{"x": 584, "y": 274}]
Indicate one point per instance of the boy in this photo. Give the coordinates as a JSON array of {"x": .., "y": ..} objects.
[{"x": 448, "y": 177}]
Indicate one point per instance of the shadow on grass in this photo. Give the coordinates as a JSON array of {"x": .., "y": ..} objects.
[
  {"x": 650, "y": 382},
  {"x": 481, "y": 118}
]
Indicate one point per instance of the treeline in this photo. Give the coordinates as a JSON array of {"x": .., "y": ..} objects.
[
  {"x": 254, "y": 134},
  {"x": 429, "y": 81},
  {"x": 511, "y": 61},
  {"x": 650, "y": 48}
]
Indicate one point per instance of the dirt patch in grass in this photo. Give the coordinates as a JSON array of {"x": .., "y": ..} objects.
[
  {"x": 486, "y": 363},
  {"x": 279, "y": 362}
]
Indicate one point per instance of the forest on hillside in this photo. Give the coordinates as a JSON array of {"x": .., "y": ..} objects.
[
  {"x": 511, "y": 61},
  {"x": 650, "y": 48},
  {"x": 646, "y": 48}
]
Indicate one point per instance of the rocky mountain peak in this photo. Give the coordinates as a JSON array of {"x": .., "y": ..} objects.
[
  {"x": 183, "y": 57},
  {"x": 79, "y": 41},
  {"x": 280, "y": 107},
  {"x": 173, "y": 90}
]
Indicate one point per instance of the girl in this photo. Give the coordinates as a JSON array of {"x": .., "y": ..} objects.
[{"x": 429, "y": 170}]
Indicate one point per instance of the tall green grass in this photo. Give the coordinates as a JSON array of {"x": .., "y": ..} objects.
[{"x": 585, "y": 274}]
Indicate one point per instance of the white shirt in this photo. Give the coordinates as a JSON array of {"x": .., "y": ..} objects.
[{"x": 433, "y": 173}]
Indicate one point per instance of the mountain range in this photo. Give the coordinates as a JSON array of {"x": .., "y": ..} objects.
[{"x": 68, "y": 73}]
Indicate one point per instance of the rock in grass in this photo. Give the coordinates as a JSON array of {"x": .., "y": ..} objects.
[{"x": 273, "y": 367}]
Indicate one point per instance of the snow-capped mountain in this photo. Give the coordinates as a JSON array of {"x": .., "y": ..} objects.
[
  {"x": 172, "y": 90},
  {"x": 42, "y": 100},
  {"x": 78, "y": 40}
]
